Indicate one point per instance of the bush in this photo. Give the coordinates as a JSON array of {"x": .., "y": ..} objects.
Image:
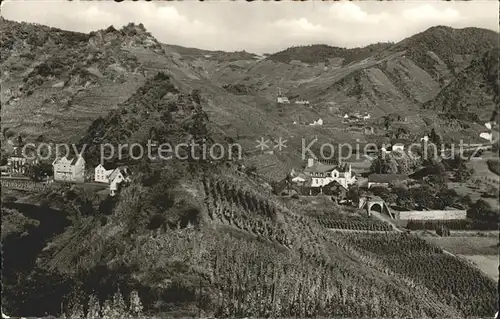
[
  {"x": 482, "y": 210},
  {"x": 494, "y": 166}
]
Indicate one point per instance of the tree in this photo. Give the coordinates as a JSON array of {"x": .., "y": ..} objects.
[
  {"x": 434, "y": 137},
  {"x": 384, "y": 164},
  {"x": 387, "y": 122},
  {"x": 136, "y": 307},
  {"x": 463, "y": 174},
  {"x": 448, "y": 197},
  {"x": 424, "y": 197},
  {"x": 387, "y": 195},
  {"x": 93, "y": 311},
  {"x": 353, "y": 193},
  {"x": 119, "y": 306},
  {"x": 482, "y": 210},
  {"x": 404, "y": 198}
]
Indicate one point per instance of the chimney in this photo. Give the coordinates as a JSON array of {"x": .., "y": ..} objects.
[{"x": 310, "y": 162}]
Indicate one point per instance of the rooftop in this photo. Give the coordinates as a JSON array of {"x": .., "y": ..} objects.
[{"x": 319, "y": 167}]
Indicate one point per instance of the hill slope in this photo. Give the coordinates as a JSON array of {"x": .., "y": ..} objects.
[
  {"x": 473, "y": 94},
  {"x": 198, "y": 238}
]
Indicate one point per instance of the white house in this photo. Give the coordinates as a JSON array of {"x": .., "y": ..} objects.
[
  {"x": 318, "y": 122},
  {"x": 283, "y": 100},
  {"x": 487, "y": 136},
  {"x": 323, "y": 174},
  {"x": 425, "y": 138},
  {"x": 398, "y": 147},
  {"x": 303, "y": 102},
  {"x": 101, "y": 174},
  {"x": 118, "y": 176},
  {"x": 366, "y": 116},
  {"x": 488, "y": 125},
  {"x": 69, "y": 170}
]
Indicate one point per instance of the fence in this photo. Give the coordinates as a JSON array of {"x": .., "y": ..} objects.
[{"x": 23, "y": 185}]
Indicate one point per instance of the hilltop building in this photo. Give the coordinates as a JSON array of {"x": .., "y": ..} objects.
[{"x": 69, "y": 170}]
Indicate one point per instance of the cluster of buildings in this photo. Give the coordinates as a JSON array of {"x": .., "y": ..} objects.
[
  {"x": 318, "y": 122},
  {"x": 282, "y": 99},
  {"x": 73, "y": 170},
  {"x": 356, "y": 117},
  {"x": 320, "y": 174},
  {"x": 18, "y": 164}
]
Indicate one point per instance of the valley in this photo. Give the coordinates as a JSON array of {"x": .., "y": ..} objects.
[{"x": 274, "y": 233}]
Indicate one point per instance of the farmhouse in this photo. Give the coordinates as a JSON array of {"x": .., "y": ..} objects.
[
  {"x": 101, "y": 173},
  {"x": 69, "y": 170},
  {"x": 117, "y": 177},
  {"x": 323, "y": 174},
  {"x": 383, "y": 180}
]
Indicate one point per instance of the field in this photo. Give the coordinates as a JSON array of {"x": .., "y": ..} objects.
[
  {"x": 486, "y": 263},
  {"x": 481, "y": 251}
]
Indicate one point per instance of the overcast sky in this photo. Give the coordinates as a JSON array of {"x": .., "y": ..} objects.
[{"x": 261, "y": 26}]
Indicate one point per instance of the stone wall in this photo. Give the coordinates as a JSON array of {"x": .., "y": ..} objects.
[{"x": 430, "y": 214}]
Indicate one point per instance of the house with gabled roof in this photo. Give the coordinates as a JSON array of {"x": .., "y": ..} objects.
[
  {"x": 69, "y": 169},
  {"x": 322, "y": 174},
  {"x": 102, "y": 172},
  {"x": 117, "y": 177}
]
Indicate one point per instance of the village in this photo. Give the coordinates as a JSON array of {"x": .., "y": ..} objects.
[{"x": 64, "y": 170}]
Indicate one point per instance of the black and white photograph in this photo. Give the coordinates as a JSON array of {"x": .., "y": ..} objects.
[{"x": 250, "y": 159}]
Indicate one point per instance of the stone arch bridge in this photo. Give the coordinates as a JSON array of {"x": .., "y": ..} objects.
[{"x": 373, "y": 202}]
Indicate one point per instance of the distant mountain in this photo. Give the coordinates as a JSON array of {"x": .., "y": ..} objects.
[
  {"x": 196, "y": 240},
  {"x": 473, "y": 93},
  {"x": 321, "y": 53},
  {"x": 56, "y": 83},
  {"x": 444, "y": 51}
]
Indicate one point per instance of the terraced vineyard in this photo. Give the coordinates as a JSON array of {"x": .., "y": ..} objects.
[
  {"x": 242, "y": 208},
  {"x": 457, "y": 283},
  {"x": 353, "y": 223}
]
